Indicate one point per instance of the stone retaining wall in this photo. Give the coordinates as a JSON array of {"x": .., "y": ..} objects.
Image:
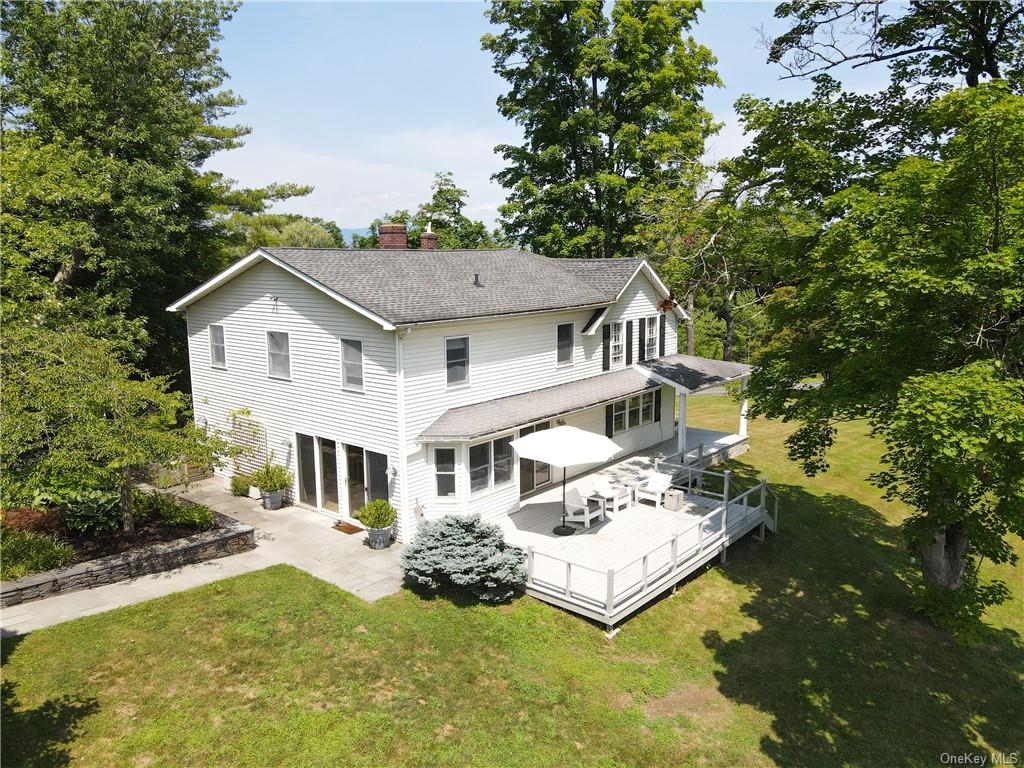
[{"x": 228, "y": 537}]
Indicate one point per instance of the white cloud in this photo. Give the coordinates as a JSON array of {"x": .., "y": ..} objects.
[{"x": 356, "y": 183}]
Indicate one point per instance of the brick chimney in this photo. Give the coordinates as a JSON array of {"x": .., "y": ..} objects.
[
  {"x": 393, "y": 237},
  {"x": 428, "y": 239}
]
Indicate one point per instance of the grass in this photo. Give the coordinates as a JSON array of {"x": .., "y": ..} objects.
[{"x": 802, "y": 651}]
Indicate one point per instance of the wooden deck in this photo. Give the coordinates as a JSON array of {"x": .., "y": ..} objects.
[{"x": 617, "y": 566}]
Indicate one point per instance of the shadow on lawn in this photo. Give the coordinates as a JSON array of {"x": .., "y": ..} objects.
[
  {"x": 38, "y": 737},
  {"x": 848, "y": 672}
]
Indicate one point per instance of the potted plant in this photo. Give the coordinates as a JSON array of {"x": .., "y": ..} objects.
[
  {"x": 379, "y": 518},
  {"x": 272, "y": 480}
]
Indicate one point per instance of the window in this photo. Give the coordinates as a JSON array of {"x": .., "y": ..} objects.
[
  {"x": 565, "y": 334},
  {"x": 633, "y": 412},
  {"x": 617, "y": 344},
  {"x": 279, "y": 361},
  {"x": 444, "y": 471},
  {"x": 352, "y": 365},
  {"x": 456, "y": 357},
  {"x": 490, "y": 464},
  {"x": 651, "y": 328},
  {"x": 218, "y": 358}
]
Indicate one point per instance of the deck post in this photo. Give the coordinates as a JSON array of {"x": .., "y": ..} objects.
[
  {"x": 675, "y": 550},
  {"x": 776, "y": 514},
  {"x": 681, "y": 431},
  {"x": 764, "y": 495},
  {"x": 609, "y": 602},
  {"x": 529, "y": 564},
  {"x": 568, "y": 578},
  {"x": 727, "y": 475},
  {"x": 743, "y": 409},
  {"x": 645, "y": 572}
]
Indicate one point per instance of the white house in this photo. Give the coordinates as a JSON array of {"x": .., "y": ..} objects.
[{"x": 405, "y": 374}]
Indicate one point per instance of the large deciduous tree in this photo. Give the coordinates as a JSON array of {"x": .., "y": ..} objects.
[
  {"x": 916, "y": 281},
  {"x": 110, "y": 110},
  {"x": 606, "y": 105}
]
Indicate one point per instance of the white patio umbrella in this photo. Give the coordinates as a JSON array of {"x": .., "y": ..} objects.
[{"x": 564, "y": 447}]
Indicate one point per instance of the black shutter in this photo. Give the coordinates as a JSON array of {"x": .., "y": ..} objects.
[
  {"x": 642, "y": 348},
  {"x": 609, "y": 420},
  {"x": 657, "y": 403},
  {"x": 629, "y": 343},
  {"x": 661, "y": 336},
  {"x": 606, "y": 360}
]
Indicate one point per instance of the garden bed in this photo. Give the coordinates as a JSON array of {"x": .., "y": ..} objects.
[{"x": 226, "y": 537}]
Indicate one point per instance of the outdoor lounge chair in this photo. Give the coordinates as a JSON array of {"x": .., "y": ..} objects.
[
  {"x": 615, "y": 497},
  {"x": 654, "y": 487},
  {"x": 579, "y": 510}
]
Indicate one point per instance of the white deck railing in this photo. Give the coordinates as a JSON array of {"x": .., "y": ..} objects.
[{"x": 611, "y": 594}]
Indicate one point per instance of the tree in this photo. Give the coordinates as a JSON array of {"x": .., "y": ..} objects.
[
  {"x": 924, "y": 41},
  {"x": 605, "y": 104},
  {"x": 918, "y": 278},
  {"x": 443, "y": 213},
  {"x": 247, "y": 232},
  {"x": 110, "y": 110},
  {"x": 75, "y": 411}
]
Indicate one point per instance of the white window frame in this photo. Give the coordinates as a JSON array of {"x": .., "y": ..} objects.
[
  {"x": 464, "y": 382},
  {"x": 653, "y": 330},
  {"x": 223, "y": 345},
  {"x": 491, "y": 484},
  {"x": 572, "y": 345},
  {"x": 644, "y": 411},
  {"x": 270, "y": 373},
  {"x": 454, "y": 473},
  {"x": 345, "y": 385},
  {"x": 620, "y": 358}
]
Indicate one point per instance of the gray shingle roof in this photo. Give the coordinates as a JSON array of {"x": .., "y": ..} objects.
[
  {"x": 472, "y": 421},
  {"x": 696, "y": 372},
  {"x": 411, "y": 286}
]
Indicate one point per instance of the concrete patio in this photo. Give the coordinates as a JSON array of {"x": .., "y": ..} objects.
[{"x": 292, "y": 535}]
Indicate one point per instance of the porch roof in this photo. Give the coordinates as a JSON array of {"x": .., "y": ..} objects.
[
  {"x": 469, "y": 422},
  {"x": 695, "y": 373}
]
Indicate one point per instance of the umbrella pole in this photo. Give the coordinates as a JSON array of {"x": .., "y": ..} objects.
[{"x": 563, "y": 529}]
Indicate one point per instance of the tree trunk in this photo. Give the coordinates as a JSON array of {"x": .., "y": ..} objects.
[
  {"x": 730, "y": 326},
  {"x": 127, "y": 513},
  {"x": 944, "y": 558},
  {"x": 691, "y": 342}
]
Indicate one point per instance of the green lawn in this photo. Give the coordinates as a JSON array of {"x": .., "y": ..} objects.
[{"x": 800, "y": 652}]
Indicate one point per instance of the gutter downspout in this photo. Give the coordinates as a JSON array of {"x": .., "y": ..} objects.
[{"x": 407, "y": 510}]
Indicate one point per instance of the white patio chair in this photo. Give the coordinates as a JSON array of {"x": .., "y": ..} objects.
[
  {"x": 614, "y": 497},
  {"x": 578, "y": 509},
  {"x": 654, "y": 487}
]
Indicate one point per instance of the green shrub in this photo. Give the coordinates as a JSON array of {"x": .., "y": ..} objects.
[
  {"x": 466, "y": 553},
  {"x": 24, "y": 552},
  {"x": 170, "y": 509},
  {"x": 240, "y": 485},
  {"x": 377, "y": 514},
  {"x": 95, "y": 512},
  {"x": 272, "y": 477}
]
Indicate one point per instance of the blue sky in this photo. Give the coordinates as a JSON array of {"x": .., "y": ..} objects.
[{"x": 365, "y": 101}]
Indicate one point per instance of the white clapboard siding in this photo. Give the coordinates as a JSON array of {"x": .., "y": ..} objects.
[
  {"x": 312, "y": 402},
  {"x": 509, "y": 356}
]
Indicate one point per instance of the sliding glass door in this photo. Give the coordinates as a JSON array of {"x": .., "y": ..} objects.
[
  {"x": 325, "y": 478},
  {"x": 533, "y": 474}
]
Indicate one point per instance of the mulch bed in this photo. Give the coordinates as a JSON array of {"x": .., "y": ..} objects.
[{"x": 92, "y": 547}]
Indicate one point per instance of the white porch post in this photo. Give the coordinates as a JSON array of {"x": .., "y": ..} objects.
[
  {"x": 743, "y": 410},
  {"x": 681, "y": 429}
]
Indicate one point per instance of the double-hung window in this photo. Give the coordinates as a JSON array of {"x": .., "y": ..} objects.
[
  {"x": 352, "y": 365},
  {"x": 279, "y": 360},
  {"x": 618, "y": 345},
  {"x": 632, "y": 412},
  {"x": 564, "y": 343},
  {"x": 218, "y": 355},
  {"x": 444, "y": 472},
  {"x": 456, "y": 360},
  {"x": 490, "y": 464},
  {"x": 651, "y": 329}
]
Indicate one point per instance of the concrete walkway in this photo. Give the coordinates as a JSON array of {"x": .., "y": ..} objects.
[{"x": 292, "y": 535}]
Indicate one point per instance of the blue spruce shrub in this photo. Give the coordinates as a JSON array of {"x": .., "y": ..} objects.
[{"x": 466, "y": 553}]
